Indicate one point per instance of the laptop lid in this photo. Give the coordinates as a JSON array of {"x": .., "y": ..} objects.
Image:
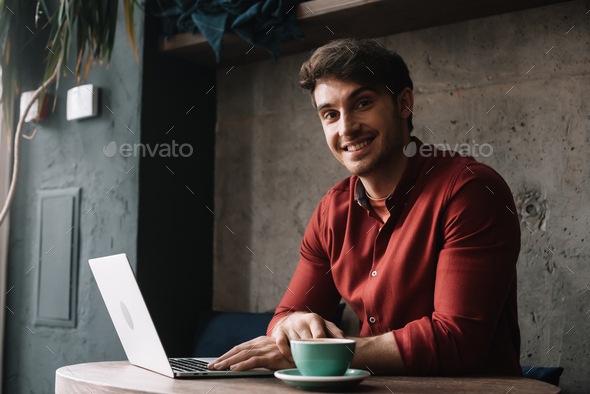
[{"x": 120, "y": 292}]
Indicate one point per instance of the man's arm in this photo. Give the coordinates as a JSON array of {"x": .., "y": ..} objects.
[
  {"x": 475, "y": 276},
  {"x": 378, "y": 354},
  {"x": 475, "y": 271}
]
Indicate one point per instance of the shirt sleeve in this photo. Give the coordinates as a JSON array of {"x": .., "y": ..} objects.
[
  {"x": 475, "y": 271},
  {"x": 312, "y": 287}
]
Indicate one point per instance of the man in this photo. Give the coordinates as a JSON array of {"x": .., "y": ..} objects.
[{"x": 420, "y": 243}]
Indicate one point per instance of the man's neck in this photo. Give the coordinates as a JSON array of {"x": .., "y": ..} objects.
[{"x": 383, "y": 182}]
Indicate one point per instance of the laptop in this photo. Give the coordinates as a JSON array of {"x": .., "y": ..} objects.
[{"x": 120, "y": 292}]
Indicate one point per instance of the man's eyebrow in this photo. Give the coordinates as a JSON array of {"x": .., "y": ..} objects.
[{"x": 350, "y": 96}]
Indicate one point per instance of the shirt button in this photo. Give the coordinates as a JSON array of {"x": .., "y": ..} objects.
[
  {"x": 372, "y": 319},
  {"x": 374, "y": 273}
]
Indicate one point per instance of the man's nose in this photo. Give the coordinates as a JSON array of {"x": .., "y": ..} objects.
[{"x": 348, "y": 124}]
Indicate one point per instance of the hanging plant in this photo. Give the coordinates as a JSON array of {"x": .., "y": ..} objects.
[{"x": 94, "y": 24}]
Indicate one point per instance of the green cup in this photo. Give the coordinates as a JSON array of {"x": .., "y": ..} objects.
[{"x": 322, "y": 356}]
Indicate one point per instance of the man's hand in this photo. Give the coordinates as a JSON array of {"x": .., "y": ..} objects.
[
  {"x": 261, "y": 352},
  {"x": 302, "y": 325},
  {"x": 274, "y": 352}
]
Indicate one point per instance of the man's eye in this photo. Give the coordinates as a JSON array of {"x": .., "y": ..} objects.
[
  {"x": 328, "y": 115},
  {"x": 365, "y": 101}
]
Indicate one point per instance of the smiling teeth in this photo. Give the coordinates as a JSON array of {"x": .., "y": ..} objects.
[{"x": 359, "y": 146}]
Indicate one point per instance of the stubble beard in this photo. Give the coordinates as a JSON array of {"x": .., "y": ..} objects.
[{"x": 391, "y": 148}]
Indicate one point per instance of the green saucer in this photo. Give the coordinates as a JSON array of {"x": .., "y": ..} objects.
[{"x": 323, "y": 383}]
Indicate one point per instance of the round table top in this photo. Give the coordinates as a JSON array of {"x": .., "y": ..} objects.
[{"x": 122, "y": 377}]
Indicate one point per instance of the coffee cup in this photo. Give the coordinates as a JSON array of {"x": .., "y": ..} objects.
[{"x": 322, "y": 356}]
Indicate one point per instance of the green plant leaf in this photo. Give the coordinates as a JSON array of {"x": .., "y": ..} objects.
[{"x": 91, "y": 23}]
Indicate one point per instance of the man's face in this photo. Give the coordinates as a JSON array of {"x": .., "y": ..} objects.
[{"x": 362, "y": 126}]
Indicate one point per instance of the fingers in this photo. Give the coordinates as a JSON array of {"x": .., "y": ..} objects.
[
  {"x": 269, "y": 361},
  {"x": 316, "y": 327},
  {"x": 306, "y": 326},
  {"x": 283, "y": 344},
  {"x": 236, "y": 359},
  {"x": 334, "y": 331},
  {"x": 221, "y": 361},
  {"x": 232, "y": 360},
  {"x": 235, "y": 350},
  {"x": 301, "y": 333},
  {"x": 252, "y": 362},
  {"x": 260, "y": 352},
  {"x": 292, "y": 334},
  {"x": 309, "y": 325}
]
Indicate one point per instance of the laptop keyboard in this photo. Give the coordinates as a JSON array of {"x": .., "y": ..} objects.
[{"x": 188, "y": 365}]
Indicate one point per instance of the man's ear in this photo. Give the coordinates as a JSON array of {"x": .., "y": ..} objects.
[{"x": 405, "y": 101}]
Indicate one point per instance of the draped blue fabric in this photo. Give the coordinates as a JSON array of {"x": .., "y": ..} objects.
[{"x": 265, "y": 24}]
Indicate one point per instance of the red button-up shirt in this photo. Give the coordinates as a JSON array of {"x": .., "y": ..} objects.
[{"x": 440, "y": 274}]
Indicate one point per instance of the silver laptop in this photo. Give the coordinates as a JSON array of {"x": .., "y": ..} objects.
[{"x": 118, "y": 287}]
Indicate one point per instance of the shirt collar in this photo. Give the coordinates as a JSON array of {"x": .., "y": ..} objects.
[{"x": 406, "y": 183}]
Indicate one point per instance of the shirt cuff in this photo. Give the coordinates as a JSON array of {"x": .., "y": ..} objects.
[{"x": 416, "y": 344}]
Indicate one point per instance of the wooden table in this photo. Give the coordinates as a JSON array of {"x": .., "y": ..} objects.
[{"x": 122, "y": 377}]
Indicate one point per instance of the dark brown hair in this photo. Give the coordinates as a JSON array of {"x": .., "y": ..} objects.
[{"x": 362, "y": 61}]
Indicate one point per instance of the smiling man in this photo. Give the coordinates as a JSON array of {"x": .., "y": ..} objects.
[{"x": 421, "y": 243}]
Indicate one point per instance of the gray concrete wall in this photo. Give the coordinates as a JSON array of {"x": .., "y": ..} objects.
[
  {"x": 273, "y": 165},
  {"x": 70, "y": 154}
]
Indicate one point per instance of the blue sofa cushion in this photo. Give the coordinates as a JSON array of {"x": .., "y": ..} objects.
[
  {"x": 548, "y": 375},
  {"x": 218, "y": 332}
]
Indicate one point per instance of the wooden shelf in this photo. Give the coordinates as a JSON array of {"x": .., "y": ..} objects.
[{"x": 324, "y": 20}]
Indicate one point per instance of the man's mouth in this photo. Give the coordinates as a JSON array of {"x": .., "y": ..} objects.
[{"x": 353, "y": 148}]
